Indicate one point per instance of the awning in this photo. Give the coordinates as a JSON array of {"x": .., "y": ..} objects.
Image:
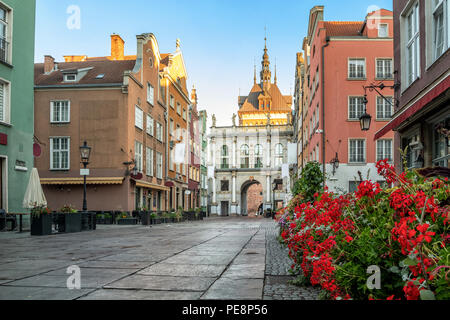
[
  {"x": 417, "y": 106},
  {"x": 89, "y": 180},
  {"x": 148, "y": 185},
  {"x": 169, "y": 184}
]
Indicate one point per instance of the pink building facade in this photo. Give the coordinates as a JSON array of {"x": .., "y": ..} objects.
[{"x": 342, "y": 58}]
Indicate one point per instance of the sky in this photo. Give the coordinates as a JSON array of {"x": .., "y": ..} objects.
[{"x": 221, "y": 40}]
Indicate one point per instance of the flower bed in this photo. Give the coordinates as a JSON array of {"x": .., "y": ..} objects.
[{"x": 402, "y": 232}]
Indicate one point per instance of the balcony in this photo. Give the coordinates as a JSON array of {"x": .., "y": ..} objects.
[{"x": 4, "y": 51}]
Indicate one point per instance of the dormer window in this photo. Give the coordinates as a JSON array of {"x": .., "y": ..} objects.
[
  {"x": 71, "y": 77},
  {"x": 383, "y": 30}
]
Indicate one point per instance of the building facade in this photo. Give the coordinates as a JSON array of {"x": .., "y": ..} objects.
[
  {"x": 17, "y": 20},
  {"x": 422, "y": 65},
  {"x": 340, "y": 59},
  {"x": 194, "y": 154},
  {"x": 249, "y": 169},
  {"x": 113, "y": 103},
  {"x": 174, "y": 89}
]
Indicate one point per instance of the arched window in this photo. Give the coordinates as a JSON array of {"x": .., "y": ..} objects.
[
  {"x": 245, "y": 157},
  {"x": 224, "y": 157},
  {"x": 278, "y": 155},
  {"x": 258, "y": 156}
]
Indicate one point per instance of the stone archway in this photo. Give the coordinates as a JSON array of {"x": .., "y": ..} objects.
[{"x": 251, "y": 197}]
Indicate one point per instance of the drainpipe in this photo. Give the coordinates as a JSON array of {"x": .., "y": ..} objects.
[{"x": 323, "y": 108}]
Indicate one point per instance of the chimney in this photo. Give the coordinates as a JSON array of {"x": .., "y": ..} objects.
[
  {"x": 117, "y": 47},
  {"x": 49, "y": 64}
]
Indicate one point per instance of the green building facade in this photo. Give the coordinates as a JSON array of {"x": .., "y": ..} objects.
[
  {"x": 17, "y": 34},
  {"x": 203, "y": 119}
]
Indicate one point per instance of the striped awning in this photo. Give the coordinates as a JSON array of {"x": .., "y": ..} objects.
[
  {"x": 89, "y": 180},
  {"x": 148, "y": 185}
]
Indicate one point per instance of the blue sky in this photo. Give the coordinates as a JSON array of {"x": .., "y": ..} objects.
[{"x": 220, "y": 39}]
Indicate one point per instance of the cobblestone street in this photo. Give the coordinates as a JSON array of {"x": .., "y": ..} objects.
[
  {"x": 218, "y": 258},
  {"x": 277, "y": 272}
]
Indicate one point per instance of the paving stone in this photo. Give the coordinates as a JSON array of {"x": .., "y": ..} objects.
[
  {"x": 36, "y": 293},
  {"x": 193, "y": 270},
  {"x": 167, "y": 283},
  {"x": 116, "y": 294},
  {"x": 235, "y": 289}
]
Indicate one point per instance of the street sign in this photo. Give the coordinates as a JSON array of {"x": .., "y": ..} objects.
[{"x": 84, "y": 172}]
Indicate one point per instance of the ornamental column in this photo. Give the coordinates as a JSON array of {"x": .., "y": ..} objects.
[
  {"x": 214, "y": 197},
  {"x": 234, "y": 152},
  {"x": 269, "y": 192}
]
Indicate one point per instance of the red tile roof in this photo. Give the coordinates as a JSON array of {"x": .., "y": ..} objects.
[
  {"x": 112, "y": 70},
  {"x": 343, "y": 28}
]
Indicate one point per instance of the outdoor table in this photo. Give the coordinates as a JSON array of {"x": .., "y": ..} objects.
[{"x": 20, "y": 219}]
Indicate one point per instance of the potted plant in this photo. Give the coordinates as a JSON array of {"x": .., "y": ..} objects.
[
  {"x": 198, "y": 214},
  {"x": 101, "y": 219},
  {"x": 173, "y": 217},
  {"x": 165, "y": 217},
  {"x": 41, "y": 221},
  {"x": 125, "y": 219},
  {"x": 69, "y": 219},
  {"x": 154, "y": 218}
]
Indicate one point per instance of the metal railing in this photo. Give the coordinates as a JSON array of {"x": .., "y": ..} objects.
[{"x": 4, "y": 50}]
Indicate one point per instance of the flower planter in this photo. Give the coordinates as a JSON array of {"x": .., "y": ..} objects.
[
  {"x": 145, "y": 218},
  {"x": 42, "y": 225},
  {"x": 72, "y": 222},
  {"x": 156, "y": 221},
  {"x": 127, "y": 221}
]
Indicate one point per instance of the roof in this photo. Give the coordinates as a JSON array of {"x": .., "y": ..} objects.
[
  {"x": 279, "y": 102},
  {"x": 113, "y": 72},
  {"x": 343, "y": 28}
]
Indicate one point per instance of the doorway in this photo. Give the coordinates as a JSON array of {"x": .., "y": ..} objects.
[
  {"x": 251, "y": 198},
  {"x": 224, "y": 208}
]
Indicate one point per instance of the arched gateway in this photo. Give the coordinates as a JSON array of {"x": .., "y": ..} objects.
[{"x": 251, "y": 197}]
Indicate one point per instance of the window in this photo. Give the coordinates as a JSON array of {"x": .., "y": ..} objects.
[
  {"x": 60, "y": 153},
  {"x": 383, "y": 30},
  {"x": 60, "y": 111},
  {"x": 356, "y": 68},
  {"x": 384, "y": 108},
  {"x": 224, "y": 158},
  {"x": 317, "y": 115},
  {"x": 245, "y": 157},
  {"x": 138, "y": 117},
  {"x": 224, "y": 185},
  {"x": 162, "y": 90},
  {"x": 172, "y": 101},
  {"x": 258, "y": 156},
  {"x": 159, "y": 161},
  {"x": 384, "y": 68},
  {"x": 159, "y": 131},
  {"x": 4, "y": 50},
  {"x": 384, "y": 149},
  {"x": 150, "y": 125},
  {"x": 149, "y": 161},
  {"x": 412, "y": 44},
  {"x": 138, "y": 155},
  {"x": 4, "y": 102},
  {"x": 184, "y": 113},
  {"x": 357, "y": 151},
  {"x": 355, "y": 107},
  {"x": 441, "y": 147},
  {"x": 179, "y": 108},
  {"x": 278, "y": 155},
  {"x": 70, "y": 77},
  {"x": 412, "y": 141},
  {"x": 440, "y": 27},
  {"x": 150, "y": 93},
  {"x": 353, "y": 186},
  {"x": 171, "y": 128}
]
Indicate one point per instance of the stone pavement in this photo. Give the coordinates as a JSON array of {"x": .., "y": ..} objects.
[
  {"x": 217, "y": 258},
  {"x": 278, "y": 263}
]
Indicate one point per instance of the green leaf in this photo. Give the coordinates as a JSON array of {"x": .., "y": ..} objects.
[
  {"x": 427, "y": 295},
  {"x": 410, "y": 262},
  {"x": 394, "y": 269}
]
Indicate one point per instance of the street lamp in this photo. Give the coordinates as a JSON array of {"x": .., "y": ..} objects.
[
  {"x": 85, "y": 152},
  {"x": 366, "y": 118},
  {"x": 335, "y": 163}
]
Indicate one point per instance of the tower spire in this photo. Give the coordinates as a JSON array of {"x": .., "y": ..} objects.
[{"x": 266, "y": 75}]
